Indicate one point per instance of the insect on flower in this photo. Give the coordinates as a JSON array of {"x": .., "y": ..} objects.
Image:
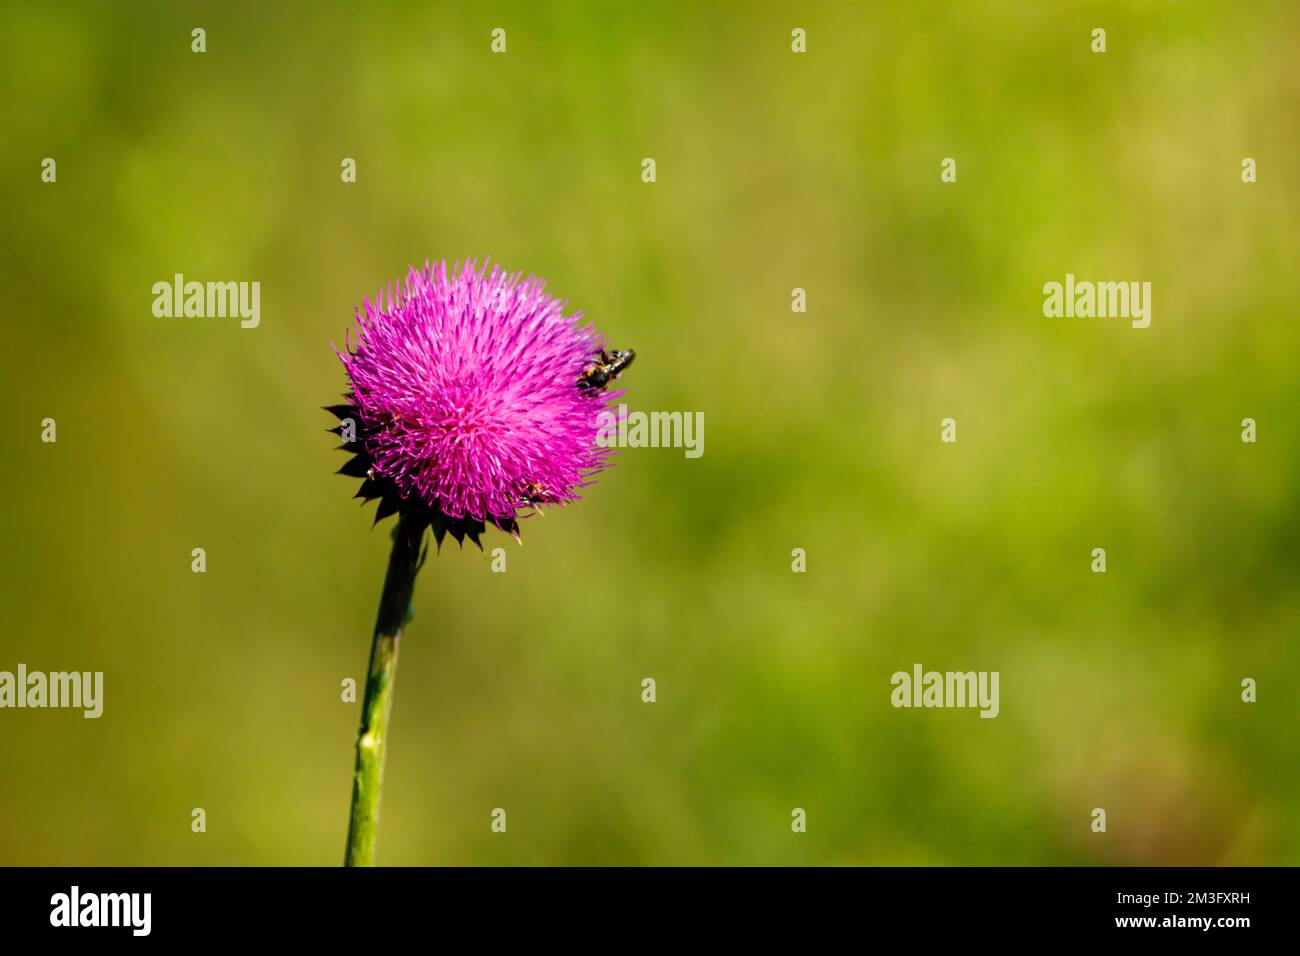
[
  {"x": 474, "y": 398},
  {"x": 603, "y": 371},
  {"x": 535, "y": 494}
]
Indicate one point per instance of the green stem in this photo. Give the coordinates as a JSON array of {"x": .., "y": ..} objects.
[{"x": 394, "y": 604}]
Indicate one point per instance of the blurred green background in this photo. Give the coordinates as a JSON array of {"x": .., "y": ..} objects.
[{"x": 775, "y": 171}]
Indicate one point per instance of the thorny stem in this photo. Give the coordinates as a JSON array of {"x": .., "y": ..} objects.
[{"x": 394, "y": 604}]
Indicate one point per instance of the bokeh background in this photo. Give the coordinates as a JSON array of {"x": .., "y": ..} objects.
[{"x": 775, "y": 171}]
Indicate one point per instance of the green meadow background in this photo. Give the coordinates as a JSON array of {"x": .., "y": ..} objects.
[{"x": 775, "y": 171}]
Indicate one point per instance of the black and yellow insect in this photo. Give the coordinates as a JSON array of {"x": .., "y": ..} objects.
[{"x": 605, "y": 369}]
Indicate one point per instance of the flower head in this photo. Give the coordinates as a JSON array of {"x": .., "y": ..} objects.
[{"x": 471, "y": 399}]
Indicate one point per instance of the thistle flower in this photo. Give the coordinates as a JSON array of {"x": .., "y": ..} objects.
[
  {"x": 473, "y": 400},
  {"x": 464, "y": 399}
]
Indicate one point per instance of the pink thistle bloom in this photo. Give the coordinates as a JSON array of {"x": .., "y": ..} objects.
[{"x": 474, "y": 398}]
